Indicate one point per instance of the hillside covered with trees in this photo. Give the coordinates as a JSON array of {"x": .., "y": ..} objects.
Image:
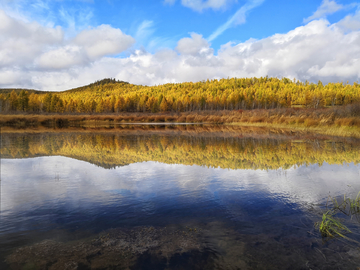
[{"x": 112, "y": 96}]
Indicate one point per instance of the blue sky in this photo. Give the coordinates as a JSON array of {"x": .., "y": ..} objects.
[{"x": 60, "y": 44}]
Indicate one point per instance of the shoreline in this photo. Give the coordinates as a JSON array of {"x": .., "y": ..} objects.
[
  {"x": 319, "y": 122},
  {"x": 339, "y": 131}
]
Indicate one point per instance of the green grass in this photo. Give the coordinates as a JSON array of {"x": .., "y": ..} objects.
[{"x": 331, "y": 226}]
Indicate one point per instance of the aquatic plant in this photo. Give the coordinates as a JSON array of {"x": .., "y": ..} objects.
[
  {"x": 349, "y": 206},
  {"x": 330, "y": 226}
]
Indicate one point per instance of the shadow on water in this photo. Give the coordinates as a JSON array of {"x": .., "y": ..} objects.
[{"x": 178, "y": 198}]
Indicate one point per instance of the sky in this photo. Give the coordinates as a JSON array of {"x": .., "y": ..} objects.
[{"x": 61, "y": 44}]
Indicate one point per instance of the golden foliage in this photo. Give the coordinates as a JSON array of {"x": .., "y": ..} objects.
[{"x": 109, "y": 96}]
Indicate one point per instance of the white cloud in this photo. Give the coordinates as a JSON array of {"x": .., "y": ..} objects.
[
  {"x": 28, "y": 47},
  {"x": 103, "y": 40},
  {"x": 20, "y": 42},
  {"x": 63, "y": 57},
  {"x": 49, "y": 13},
  {"x": 195, "y": 46},
  {"x": 73, "y": 20},
  {"x": 144, "y": 32},
  {"x": 145, "y": 29},
  {"x": 350, "y": 22},
  {"x": 145, "y": 38},
  {"x": 316, "y": 51},
  {"x": 170, "y": 2},
  {"x": 11, "y": 77},
  {"x": 327, "y": 7},
  {"x": 305, "y": 53},
  {"x": 89, "y": 45},
  {"x": 200, "y": 5},
  {"x": 238, "y": 18}
]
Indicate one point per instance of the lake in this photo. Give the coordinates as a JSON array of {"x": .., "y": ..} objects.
[{"x": 174, "y": 197}]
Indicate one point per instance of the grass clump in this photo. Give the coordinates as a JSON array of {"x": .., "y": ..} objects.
[{"x": 330, "y": 226}]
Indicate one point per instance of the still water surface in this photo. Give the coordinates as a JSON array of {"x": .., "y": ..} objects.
[{"x": 172, "y": 200}]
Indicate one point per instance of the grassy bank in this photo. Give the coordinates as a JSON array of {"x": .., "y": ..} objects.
[
  {"x": 330, "y": 130},
  {"x": 335, "y": 121}
]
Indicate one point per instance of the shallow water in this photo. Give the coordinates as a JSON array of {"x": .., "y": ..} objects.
[{"x": 165, "y": 200}]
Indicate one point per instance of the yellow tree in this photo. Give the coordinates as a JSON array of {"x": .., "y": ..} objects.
[
  {"x": 151, "y": 104},
  {"x": 23, "y": 101},
  {"x": 34, "y": 102},
  {"x": 47, "y": 102},
  {"x": 119, "y": 104},
  {"x": 100, "y": 106},
  {"x": 2, "y": 103},
  {"x": 13, "y": 99},
  {"x": 164, "y": 105}
]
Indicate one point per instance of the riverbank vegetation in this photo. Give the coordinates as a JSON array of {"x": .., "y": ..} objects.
[{"x": 336, "y": 121}]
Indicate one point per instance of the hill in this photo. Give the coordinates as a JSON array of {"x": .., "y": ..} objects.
[
  {"x": 7, "y": 91},
  {"x": 96, "y": 85},
  {"x": 112, "y": 96}
]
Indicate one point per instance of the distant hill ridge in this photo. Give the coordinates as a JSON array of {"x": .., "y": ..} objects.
[
  {"x": 114, "y": 96},
  {"x": 6, "y": 91}
]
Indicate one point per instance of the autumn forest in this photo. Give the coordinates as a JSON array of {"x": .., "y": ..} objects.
[{"x": 112, "y": 96}]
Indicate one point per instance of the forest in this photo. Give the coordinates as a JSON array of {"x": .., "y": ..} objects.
[{"x": 113, "y": 96}]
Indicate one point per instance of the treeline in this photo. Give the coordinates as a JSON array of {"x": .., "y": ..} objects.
[
  {"x": 111, "y": 96},
  {"x": 112, "y": 150}
]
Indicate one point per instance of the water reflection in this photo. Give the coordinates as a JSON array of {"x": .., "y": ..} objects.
[
  {"x": 252, "y": 200},
  {"x": 112, "y": 149}
]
